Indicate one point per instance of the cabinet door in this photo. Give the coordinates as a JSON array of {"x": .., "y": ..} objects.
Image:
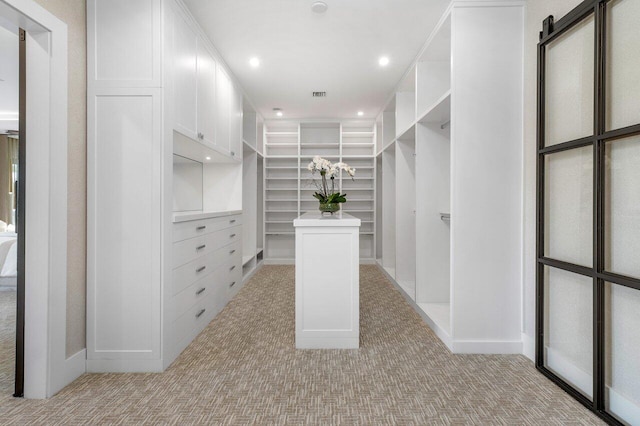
[
  {"x": 223, "y": 98},
  {"x": 185, "y": 45},
  {"x": 236, "y": 123},
  {"x": 206, "y": 96}
]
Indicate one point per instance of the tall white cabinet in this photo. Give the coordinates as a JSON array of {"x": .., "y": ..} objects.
[
  {"x": 451, "y": 157},
  {"x": 164, "y": 184}
]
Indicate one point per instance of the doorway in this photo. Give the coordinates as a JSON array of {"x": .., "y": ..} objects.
[
  {"x": 47, "y": 369},
  {"x": 11, "y": 223}
]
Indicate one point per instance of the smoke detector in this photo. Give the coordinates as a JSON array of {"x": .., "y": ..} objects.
[{"x": 319, "y": 7}]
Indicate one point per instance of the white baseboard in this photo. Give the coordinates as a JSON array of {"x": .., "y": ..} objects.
[
  {"x": 74, "y": 367},
  {"x": 293, "y": 261},
  {"x": 124, "y": 366},
  {"x": 279, "y": 261},
  {"x": 489, "y": 347},
  {"x": 529, "y": 347}
]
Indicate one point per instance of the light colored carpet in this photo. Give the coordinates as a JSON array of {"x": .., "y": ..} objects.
[
  {"x": 7, "y": 342},
  {"x": 244, "y": 369}
]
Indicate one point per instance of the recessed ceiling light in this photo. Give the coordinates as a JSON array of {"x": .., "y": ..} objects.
[
  {"x": 383, "y": 61},
  {"x": 254, "y": 62},
  {"x": 319, "y": 7},
  {"x": 360, "y": 113},
  {"x": 207, "y": 158},
  {"x": 278, "y": 111}
]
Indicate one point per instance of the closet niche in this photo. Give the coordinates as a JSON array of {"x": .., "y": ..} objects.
[{"x": 187, "y": 184}]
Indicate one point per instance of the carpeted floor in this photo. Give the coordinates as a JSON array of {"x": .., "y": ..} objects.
[
  {"x": 243, "y": 369},
  {"x": 7, "y": 342}
]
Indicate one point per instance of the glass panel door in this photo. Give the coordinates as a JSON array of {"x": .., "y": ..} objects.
[
  {"x": 588, "y": 206},
  {"x": 622, "y": 64},
  {"x": 568, "y": 350},
  {"x": 569, "y": 85}
]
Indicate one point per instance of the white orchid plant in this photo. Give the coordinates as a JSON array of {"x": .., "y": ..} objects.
[{"x": 327, "y": 193}]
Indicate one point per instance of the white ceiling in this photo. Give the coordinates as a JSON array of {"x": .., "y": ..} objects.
[{"x": 301, "y": 52}]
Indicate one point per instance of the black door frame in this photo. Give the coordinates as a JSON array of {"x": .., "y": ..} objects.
[
  {"x": 551, "y": 31},
  {"x": 22, "y": 163}
]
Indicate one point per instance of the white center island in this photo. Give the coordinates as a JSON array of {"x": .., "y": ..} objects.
[{"x": 327, "y": 281}]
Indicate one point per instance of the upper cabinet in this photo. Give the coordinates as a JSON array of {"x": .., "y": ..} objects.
[
  {"x": 229, "y": 115},
  {"x": 206, "y": 102},
  {"x": 236, "y": 127},
  {"x": 207, "y": 105},
  {"x": 185, "y": 81},
  {"x": 223, "y": 110}
]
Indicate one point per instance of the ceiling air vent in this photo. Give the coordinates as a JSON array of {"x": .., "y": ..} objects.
[{"x": 319, "y": 94}]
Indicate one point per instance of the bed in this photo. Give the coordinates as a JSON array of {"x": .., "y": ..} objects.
[{"x": 8, "y": 260}]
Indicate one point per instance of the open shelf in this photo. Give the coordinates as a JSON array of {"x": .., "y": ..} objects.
[
  {"x": 440, "y": 112},
  {"x": 291, "y": 134},
  {"x": 288, "y": 180}
]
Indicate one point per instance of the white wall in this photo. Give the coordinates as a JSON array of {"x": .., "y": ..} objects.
[
  {"x": 73, "y": 14},
  {"x": 8, "y": 79},
  {"x": 537, "y": 10}
]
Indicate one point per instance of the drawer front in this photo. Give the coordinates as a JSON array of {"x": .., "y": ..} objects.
[
  {"x": 196, "y": 228},
  {"x": 224, "y": 237},
  {"x": 187, "y": 250},
  {"x": 234, "y": 277},
  {"x": 193, "y": 248},
  {"x": 185, "y": 275},
  {"x": 199, "y": 290},
  {"x": 198, "y": 316},
  {"x": 188, "y": 325}
]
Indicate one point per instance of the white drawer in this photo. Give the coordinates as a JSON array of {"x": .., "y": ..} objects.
[
  {"x": 188, "y": 325},
  {"x": 193, "y": 248},
  {"x": 232, "y": 274},
  {"x": 195, "y": 228},
  {"x": 197, "y": 317},
  {"x": 187, "y": 274},
  {"x": 224, "y": 237},
  {"x": 199, "y": 290},
  {"x": 234, "y": 280}
]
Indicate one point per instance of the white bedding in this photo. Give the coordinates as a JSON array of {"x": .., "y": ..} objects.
[{"x": 8, "y": 254}]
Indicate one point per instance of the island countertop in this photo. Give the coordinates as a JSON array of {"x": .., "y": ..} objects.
[{"x": 317, "y": 219}]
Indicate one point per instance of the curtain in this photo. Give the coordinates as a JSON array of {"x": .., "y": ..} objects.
[{"x": 9, "y": 146}]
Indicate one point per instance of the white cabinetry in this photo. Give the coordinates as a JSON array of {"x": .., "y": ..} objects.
[
  {"x": 185, "y": 71},
  {"x": 207, "y": 271},
  {"x": 451, "y": 192},
  {"x": 206, "y": 96},
  {"x": 235, "y": 123},
  {"x": 155, "y": 279},
  {"x": 207, "y": 104},
  {"x": 194, "y": 83}
]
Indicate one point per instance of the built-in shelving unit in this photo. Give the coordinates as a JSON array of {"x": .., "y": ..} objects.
[
  {"x": 289, "y": 185},
  {"x": 448, "y": 201},
  {"x": 252, "y": 193}
]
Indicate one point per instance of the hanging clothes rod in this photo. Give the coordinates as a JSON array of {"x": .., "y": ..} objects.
[
  {"x": 445, "y": 124},
  {"x": 446, "y": 217}
]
